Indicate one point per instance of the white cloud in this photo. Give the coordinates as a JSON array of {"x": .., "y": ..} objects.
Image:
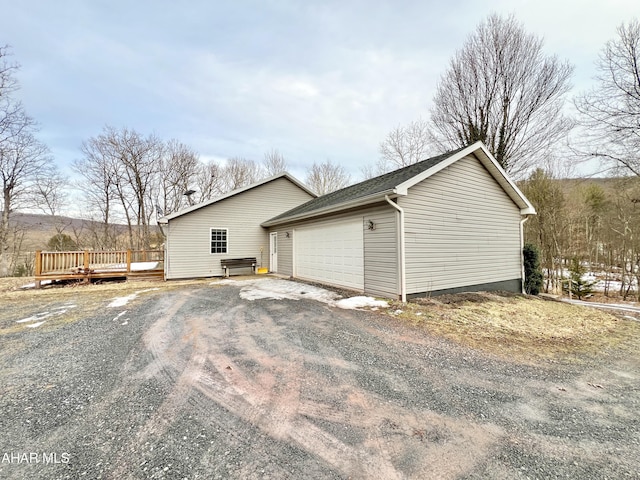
[{"x": 318, "y": 81}]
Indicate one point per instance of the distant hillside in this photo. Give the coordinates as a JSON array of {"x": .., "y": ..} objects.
[
  {"x": 608, "y": 184},
  {"x": 34, "y": 230}
]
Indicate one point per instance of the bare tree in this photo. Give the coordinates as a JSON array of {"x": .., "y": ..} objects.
[
  {"x": 610, "y": 112},
  {"x": 369, "y": 171},
  {"x": 49, "y": 191},
  {"x": 22, "y": 156},
  {"x": 327, "y": 177},
  {"x": 240, "y": 172},
  {"x": 50, "y": 196},
  {"x": 209, "y": 182},
  {"x": 274, "y": 163},
  {"x": 124, "y": 165},
  {"x": 8, "y": 83},
  {"x": 98, "y": 188},
  {"x": 404, "y": 145},
  {"x": 501, "y": 89},
  {"x": 178, "y": 167}
]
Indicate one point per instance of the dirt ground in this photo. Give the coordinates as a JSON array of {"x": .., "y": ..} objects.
[{"x": 191, "y": 381}]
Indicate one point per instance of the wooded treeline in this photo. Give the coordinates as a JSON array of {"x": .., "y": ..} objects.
[{"x": 594, "y": 222}]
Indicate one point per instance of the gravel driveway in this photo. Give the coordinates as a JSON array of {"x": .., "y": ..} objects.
[{"x": 197, "y": 382}]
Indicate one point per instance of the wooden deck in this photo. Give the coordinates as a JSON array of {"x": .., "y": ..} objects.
[{"x": 90, "y": 264}]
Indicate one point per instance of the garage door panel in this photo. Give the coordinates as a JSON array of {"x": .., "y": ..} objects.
[{"x": 332, "y": 253}]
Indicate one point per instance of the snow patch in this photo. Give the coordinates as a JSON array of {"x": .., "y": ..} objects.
[
  {"x": 228, "y": 281},
  {"x": 122, "y": 301},
  {"x": 276, "y": 289},
  {"x": 119, "y": 315},
  {"x": 122, "y": 267},
  {"x": 37, "y": 316},
  {"x": 65, "y": 307},
  {"x": 360, "y": 302},
  {"x": 42, "y": 315},
  {"x": 33, "y": 284},
  {"x": 283, "y": 289},
  {"x": 35, "y": 325}
]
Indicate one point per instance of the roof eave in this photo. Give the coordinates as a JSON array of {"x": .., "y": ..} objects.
[
  {"x": 378, "y": 196},
  {"x": 206, "y": 203}
]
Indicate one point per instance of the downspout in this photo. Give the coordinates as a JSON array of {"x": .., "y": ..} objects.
[
  {"x": 522, "y": 222},
  {"x": 403, "y": 279}
]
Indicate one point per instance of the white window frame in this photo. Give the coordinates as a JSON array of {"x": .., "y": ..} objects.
[{"x": 227, "y": 240}]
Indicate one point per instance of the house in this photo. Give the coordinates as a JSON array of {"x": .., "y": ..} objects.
[
  {"x": 448, "y": 224},
  {"x": 227, "y": 227}
]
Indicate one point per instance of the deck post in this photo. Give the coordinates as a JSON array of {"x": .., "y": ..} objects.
[
  {"x": 128, "y": 261},
  {"x": 38, "y": 267},
  {"x": 86, "y": 267}
]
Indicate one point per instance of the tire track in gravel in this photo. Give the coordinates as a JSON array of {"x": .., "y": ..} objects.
[
  {"x": 270, "y": 400},
  {"x": 176, "y": 361},
  {"x": 261, "y": 371}
]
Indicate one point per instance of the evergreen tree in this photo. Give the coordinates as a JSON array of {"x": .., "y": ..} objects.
[{"x": 532, "y": 270}]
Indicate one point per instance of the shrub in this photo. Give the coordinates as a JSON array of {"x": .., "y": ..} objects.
[
  {"x": 532, "y": 270},
  {"x": 61, "y": 242}
]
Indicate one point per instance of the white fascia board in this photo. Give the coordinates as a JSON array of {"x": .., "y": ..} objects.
[
  {"x": 237, "y": 191},
  {"x": 492, "y": 166},
  {"x": 359, "y": 202}
]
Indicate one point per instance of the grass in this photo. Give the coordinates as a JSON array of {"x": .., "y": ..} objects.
[
  {"x": 21, "y": 303},
  {"x": 529, "y": 328}
]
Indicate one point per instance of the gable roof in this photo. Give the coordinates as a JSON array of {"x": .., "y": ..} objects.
[
  {"x": 237, "y": 191},
  {"x": 398, "y": 182}
]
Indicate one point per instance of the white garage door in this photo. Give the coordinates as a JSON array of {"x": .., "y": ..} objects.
[{"x": 331, "y": 253}]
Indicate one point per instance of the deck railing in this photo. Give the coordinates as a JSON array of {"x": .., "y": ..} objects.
[{"x": 95, "y": 263}]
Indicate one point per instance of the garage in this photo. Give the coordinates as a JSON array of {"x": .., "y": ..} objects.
[{"x": 331, "y": 253}]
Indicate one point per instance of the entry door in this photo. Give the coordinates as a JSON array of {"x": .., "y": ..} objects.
[{"x": 273, "y": 251}]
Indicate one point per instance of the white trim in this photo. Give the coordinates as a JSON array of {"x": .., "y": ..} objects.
[
  {"x": 167, "y": 256},
  {"x": 522, "y": 222},
  {"x": 206, "y": 203},
  {"x": 273, "y": 235},
  {"x": 403, "y": 261},
  {"x": 227, "y": 241},
  {"x": 492, "y": 166},
  {"x": 358, "y": 202}
]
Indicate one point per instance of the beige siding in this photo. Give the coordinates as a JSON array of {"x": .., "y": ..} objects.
[
  {"x": 381, "y": 253},
  {"x": 188, "y": 242},
  {"x": 380, "y": 247},
  {"x": 461, "y": 229},
  {"x": 285, "y": 251}
]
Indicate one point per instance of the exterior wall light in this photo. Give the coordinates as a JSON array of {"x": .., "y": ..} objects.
[{"x": 371, "y": 225}]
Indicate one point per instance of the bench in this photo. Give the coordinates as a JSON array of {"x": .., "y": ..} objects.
[{"x": 229, "y": 263}]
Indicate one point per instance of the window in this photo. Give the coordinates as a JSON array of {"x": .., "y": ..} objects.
[{"x": 219, "y": 240}]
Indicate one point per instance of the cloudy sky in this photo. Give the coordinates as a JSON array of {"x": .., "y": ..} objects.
[{"x": 317, "y": 80}]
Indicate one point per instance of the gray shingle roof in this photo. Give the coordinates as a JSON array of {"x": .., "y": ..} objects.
[{"x": 377, "y": 185}]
